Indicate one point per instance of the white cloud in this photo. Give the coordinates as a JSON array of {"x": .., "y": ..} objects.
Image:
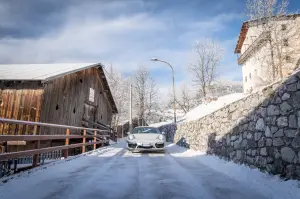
[{"x": 92, "y": 33}]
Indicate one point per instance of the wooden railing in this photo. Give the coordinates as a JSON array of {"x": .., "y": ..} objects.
[{"x": 98, "y": 134}]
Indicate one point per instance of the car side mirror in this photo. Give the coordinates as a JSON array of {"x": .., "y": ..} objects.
[{"x": 163, "y": 133}]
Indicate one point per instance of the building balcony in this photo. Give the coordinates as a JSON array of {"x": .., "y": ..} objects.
[{"x": 256, "y": 44}]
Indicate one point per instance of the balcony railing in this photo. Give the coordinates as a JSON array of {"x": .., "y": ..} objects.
[{"x": 258, "y": 42}]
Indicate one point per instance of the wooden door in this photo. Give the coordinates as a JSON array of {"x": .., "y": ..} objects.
[{"x": 89, "y": 112}]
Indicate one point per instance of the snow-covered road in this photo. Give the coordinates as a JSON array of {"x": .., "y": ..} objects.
[{"x": 113, "y": 172}]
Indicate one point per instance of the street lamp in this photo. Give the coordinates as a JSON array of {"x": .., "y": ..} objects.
[{"x": 155, "y": 59}]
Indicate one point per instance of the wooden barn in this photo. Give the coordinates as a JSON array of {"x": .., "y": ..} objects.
[{"x": 69, "y": 94}]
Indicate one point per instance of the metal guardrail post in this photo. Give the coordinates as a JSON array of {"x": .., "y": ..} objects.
[
  {"x": 66, "y": 151},
  {"x": 83, "y": 141},
  {"x": 95, "y": 140}
]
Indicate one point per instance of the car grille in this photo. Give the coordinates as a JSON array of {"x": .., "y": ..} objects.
[
  {"x": 145, "y": 147},
  {"x": 130, "y": 145},
  {"x": 159, "y": 145}
]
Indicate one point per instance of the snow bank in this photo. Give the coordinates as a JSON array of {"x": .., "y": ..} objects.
[
  {"x": 161, "y": 124},
  {"x": 255, "y": 179},
  {"x": 205, "y": 109}
]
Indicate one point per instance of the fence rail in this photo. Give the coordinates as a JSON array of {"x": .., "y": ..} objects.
[{"x": 97, "y": 137}]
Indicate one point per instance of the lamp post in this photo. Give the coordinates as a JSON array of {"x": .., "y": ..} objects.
[{"x": 155, "y": 59}]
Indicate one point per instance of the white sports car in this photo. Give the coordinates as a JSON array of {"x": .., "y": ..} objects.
[{"x": 145, "y": 138}]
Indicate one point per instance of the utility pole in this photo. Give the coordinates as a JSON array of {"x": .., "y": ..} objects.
[{"x": 130, "y": 106}]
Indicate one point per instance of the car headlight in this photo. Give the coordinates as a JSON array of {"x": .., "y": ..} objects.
[
  {"x": 161, "y": 137},
  {"x": 131, "y": 137}
]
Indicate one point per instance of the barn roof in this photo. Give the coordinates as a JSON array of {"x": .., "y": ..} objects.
[{"x": 48, "y": 72}]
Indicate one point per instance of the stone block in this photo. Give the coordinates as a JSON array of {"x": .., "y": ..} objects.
[
  {"x": 274, "y": 129},
  {"x": 279, "y": 133},
  {"x": 290, "y": 133},
  {"x": 268, "y": 132},
  {"x": 263, "y": 151},
  {"x": 285, "y": 96},
  {"x": 249, "y": 135},
  {"x": 293, "y": 79},
  {"x": 273, "y": 110},
  {"x": 298, "y": 171},
  {"x": 244, "y": 144},
  {"x": 261, "y": 142},
  {"x": 270, "y": 160},
  {"x": 287, "y": 154},
  {"x": 253, "y": 153},
  {"x": 260, "y": 125},
  {"x": 282, "y": 121},
  {"x": 257, "y": 136},
  {"x": 298, "y": 114},
  {"x": 268, "y": 142},
  {"x": 290, "y": 171},
  {"x": 249, "y": 160},
  {"x": 285, "y": 108},
  {"x": 239, "y": 155},
  {"x": 278, "y": 142},
  {"x": 293, "y": 121},
  {"x": 296, "y": 142},
  {"x": 291, "y": 87},
  {"x": 295, "y": 100}
]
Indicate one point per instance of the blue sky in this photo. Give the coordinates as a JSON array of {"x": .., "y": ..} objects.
[{"x": 123, "y": 33}]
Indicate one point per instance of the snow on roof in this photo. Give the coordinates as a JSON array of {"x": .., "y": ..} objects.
[
  {"x": 205, "y": 109},
  {"x": 42, "y": 72}
]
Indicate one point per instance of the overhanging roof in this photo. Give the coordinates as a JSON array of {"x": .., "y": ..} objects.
[
  {"x": 48, "y": 72},
  {"x": 245, "y": 26}
]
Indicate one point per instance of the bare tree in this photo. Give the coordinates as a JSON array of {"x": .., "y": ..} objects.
[
  {"x": 184, "y": 100},
  {"x": 279, "y": 29},
  {"x": 208, "y": 57},
  {"x": 119, "y": 87},
  {"x": 145, "y": 95}
]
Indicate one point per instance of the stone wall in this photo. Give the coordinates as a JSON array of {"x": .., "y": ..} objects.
[
  {"x": 260, "y": 130},
  {"x": 169, "y": 130}
]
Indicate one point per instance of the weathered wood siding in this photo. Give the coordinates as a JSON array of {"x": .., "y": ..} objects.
[
  {"x": 20, "y": 104},
  {"x": 65, "y": 98}
]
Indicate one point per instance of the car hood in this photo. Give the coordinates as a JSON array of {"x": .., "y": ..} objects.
[{"x": 146, "y": 136}]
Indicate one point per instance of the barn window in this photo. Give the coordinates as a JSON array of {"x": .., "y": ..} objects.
[
  {"x": 74, "y": 111},
  {"x": 80, "y": 80},
  {"x": 56, "y": 108}
]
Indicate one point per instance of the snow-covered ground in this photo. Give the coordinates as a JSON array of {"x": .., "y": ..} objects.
[{"x": 112, "y": 172}]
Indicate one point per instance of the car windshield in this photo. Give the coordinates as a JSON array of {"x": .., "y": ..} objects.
[{"x": 145, "y": 130}]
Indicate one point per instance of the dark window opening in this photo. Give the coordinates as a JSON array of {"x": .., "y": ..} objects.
[
  {"x": 288, "y": 58},
  {"x": 100, "y": 92},
  {"x": 74, "y": 111},
  {"x": 101, "y": 117},
  {"x": 80, "y": 80},
  {"x": 283, "y": 27},
  {"x": 285, "y": 42},
  {"x": 56, "y": 107},
  {"x": 250, "y": 76}
]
